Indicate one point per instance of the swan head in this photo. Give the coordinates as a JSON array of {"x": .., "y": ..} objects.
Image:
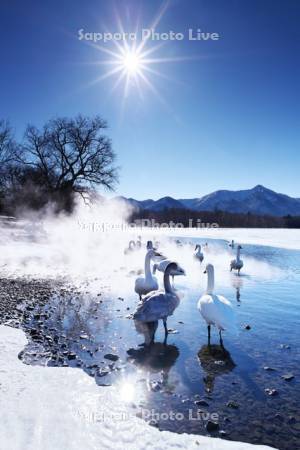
[
  {"x": 209, "y": 269},
  {"x": 155, "y": 256},
  {"x": 239, "y": 247},
  {"x": 197, "y": 246},
  {"x": 149, "y": 245},
  {"x": 174, "y": 269}
]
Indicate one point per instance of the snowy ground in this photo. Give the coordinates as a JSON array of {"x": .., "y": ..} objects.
[{"x": 63, "y": 409}]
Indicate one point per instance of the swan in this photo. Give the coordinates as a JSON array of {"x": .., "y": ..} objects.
[
  {"x": 159, "y": 305},
  {"x": 231, "y": 244},
  {"x": 139, "y": 242},
  {"x": 146, "y": 284},
  {"x": 237, "y": 263},
  {"x": 130, "y": 248},
  {"x": 215, "y": 309},
  {"x": 198, "y": 254}
]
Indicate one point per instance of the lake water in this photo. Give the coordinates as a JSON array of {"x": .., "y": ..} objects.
[{"x": 81, "y": 326}]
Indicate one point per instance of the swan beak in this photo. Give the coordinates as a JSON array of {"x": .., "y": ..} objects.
[{"x": 205, "y": 271}]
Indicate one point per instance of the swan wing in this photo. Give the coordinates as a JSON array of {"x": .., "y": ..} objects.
[
  {"x": 217, "y": 310},
  {"x": 155, "y": 306},
  {"x": 144, "y": 286}
]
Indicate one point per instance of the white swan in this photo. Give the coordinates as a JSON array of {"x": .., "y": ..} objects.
[
  {"x": 146, "y": 284},
  {"x": 198, "y": 254},
  {"x": 130, "y": 248},
  {"x": 237, "y": 263},
  {"x": 215, "y": 309},
  {"x": 139, "y": 242},
  {"x": 159, "y": 305}
]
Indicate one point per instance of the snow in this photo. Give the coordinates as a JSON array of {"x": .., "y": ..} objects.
[{"x": 62, "y": 408}]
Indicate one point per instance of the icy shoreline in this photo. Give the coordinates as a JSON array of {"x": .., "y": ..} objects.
[{"x": 61, "y": 408}]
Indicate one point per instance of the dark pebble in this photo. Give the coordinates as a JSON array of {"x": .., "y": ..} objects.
[
  {"x": 212, "y": 426},
  {"x": 201, "y": 403},
  {"x": 287, "y": 376},
  {"x": 111, "y": 357},
  {"x": 233, "y": 405},
  {"x": 271, "y": 392}
]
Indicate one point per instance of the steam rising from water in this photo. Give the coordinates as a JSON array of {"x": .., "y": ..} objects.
[{"x": 89, "y": 245}]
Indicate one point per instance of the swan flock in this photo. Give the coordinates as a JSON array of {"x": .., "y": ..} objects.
[{"x": 157, "y": 305}]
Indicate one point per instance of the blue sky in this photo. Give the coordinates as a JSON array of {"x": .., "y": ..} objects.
[{"x": 229, "y": 112}]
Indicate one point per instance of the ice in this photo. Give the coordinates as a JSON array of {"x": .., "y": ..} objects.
[{"x": 63, "y": 408}]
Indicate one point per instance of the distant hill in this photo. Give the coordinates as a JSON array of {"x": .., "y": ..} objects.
[{"x": 259, "y": 200}]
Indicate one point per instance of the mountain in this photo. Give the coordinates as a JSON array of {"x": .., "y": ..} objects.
[{"x": 258, "y": 200}]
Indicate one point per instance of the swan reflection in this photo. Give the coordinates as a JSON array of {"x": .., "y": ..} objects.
[
  {"x": 215, "y": 360},
  {"x": 159, "y": 358}
]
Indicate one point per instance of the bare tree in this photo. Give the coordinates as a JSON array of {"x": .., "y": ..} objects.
[
  {"x": 70, "y": 154},
  {"x": 7, "y": 143}
]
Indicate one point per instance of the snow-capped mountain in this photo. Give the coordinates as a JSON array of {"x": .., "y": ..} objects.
[{"x": 258, "y": 200}]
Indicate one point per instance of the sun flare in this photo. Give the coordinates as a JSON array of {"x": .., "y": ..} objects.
[{"x": 131, "y": 62}]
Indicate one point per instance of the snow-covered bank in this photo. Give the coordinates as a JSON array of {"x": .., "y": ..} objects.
[
  {"x": 273, "y": 237},
  {"x": 62, "y": 408}
]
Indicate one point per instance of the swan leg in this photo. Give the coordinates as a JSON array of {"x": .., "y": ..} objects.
[
  {"x": 153, "y": 327},
  {"x": 166, "y": 328},
  {"x": 208, "y": 334},
  {"x": 221, "y": 340}
]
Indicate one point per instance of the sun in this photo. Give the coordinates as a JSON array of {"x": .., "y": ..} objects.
[{"x": 131, "y": 62}]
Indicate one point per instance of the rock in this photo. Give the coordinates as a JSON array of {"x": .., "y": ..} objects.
[
  {"x": 285, "y": 346},
  {"x": 84, "y": 336},
  {"x": 288, "y": 376},
  {"x": 111, "y": 357},
  {"x": 223, "y": 433},
  {"x": 247, "y": 327},
  {"x": 153, "y": 423},
  {"x": 269, "y": 369},
  {"x": 232, "y": 404},
  {"x": 155, "y": 386},
  {"x": 212, "y": 426},
  {"x": 291, "y": 420},
  {"x": 271, "y": 392},
  {"x": 102, "y": 372},
  {"x": 201, "y": 403},
  {"x": 71, "y": 356}
]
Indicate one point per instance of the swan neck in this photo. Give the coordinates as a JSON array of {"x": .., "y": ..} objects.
[
  {"x": 210, "y": 282},
  {"x": 148, "y": 274},
  {"x": 238, "y": 254},
  {"x": 167, "y": 283}
]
